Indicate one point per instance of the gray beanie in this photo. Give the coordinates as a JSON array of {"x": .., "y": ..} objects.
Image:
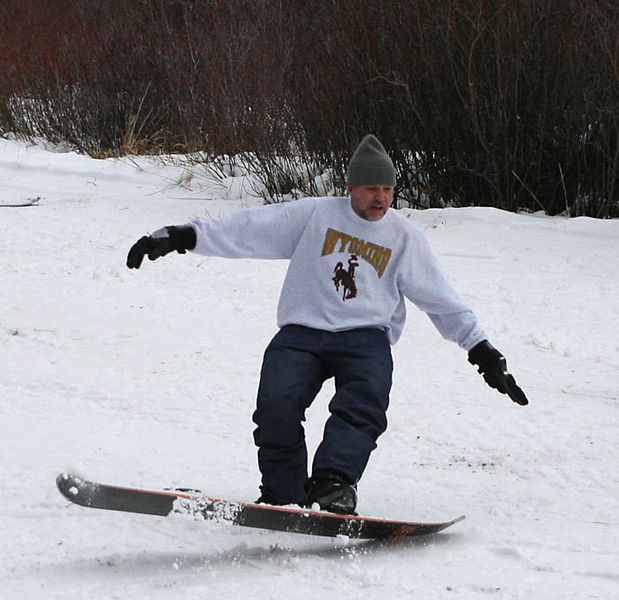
[{"x": 370, "y": 164}]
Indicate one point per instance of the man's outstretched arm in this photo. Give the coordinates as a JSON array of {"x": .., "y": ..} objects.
[{"x": 271, "y": 231}]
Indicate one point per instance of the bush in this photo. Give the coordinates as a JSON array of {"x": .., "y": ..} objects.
[{"x": 512, "y": 103}]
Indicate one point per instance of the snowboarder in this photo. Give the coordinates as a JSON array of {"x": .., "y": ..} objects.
[{"x": 321, "y": 337}]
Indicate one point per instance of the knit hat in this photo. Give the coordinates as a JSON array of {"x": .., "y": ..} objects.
[{"x": 370, "y": 164}]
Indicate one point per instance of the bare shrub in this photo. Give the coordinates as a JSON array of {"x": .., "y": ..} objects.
[{"x": 506, "y": 103}]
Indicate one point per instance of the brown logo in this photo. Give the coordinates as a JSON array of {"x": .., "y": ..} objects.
[{"x": 345, "y": 279}]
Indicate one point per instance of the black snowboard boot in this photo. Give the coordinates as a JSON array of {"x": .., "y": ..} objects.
[{"x": 332, "y": 492}]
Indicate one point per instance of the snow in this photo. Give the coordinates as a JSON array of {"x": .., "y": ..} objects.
[{"x": 148, "y": 378}]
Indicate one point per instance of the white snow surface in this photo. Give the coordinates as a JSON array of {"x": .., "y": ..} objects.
[{"x": 148, "y": 378}]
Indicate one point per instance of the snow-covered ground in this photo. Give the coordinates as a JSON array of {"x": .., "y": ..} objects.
[{"x": 148, "y": 378}]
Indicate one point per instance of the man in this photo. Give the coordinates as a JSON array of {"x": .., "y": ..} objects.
[{"x": 352, "y": 263}]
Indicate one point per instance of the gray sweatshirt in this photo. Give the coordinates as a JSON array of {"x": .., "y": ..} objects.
[{"x": 344, "y": 272}]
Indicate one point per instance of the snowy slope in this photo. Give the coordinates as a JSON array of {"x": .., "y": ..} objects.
[{"x": 148, "y": 378}]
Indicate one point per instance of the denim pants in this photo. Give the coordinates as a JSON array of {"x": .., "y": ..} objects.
[{"x": 296, "y": 363}]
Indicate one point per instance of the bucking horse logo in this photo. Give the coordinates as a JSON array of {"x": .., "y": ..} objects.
[{"x": 346, "y": 278}]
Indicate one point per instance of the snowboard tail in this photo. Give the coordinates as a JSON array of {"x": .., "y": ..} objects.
[{"x": 201, "y": 507}]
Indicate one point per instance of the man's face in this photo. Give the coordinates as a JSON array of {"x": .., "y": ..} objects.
[{"x": 371, "y": 202}]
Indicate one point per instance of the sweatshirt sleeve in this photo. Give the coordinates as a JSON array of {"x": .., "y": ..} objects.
[
  {"x": 271, "y": 231},
  {"x": 424, "y": 284}
]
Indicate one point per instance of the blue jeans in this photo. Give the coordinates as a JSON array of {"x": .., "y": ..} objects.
[{"x": 296, "y": 363}]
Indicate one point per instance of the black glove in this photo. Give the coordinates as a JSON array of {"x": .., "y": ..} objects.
[
  {"x": 162, "y": 242},
  {"x": 493, "y": 366}
]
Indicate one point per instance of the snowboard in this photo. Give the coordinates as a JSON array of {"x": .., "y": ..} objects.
[{"x": 198, "y": 506}]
